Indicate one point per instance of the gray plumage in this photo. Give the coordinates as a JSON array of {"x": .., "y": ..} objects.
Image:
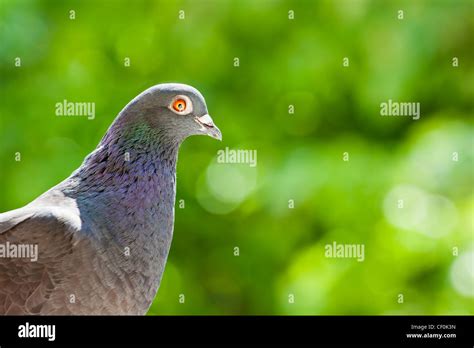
[{"x": 104, "y": 233}]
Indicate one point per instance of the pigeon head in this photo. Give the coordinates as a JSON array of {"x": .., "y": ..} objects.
[{"x": 174, "y": 110}]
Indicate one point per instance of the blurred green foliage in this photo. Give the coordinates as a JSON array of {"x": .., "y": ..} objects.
[{"x": 408, "y": 251}]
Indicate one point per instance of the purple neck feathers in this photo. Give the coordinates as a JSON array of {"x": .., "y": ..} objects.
[{"x": 134, "y": 164}]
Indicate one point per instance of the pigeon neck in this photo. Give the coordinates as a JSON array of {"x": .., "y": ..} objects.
[{"x": 137, "y": 162}]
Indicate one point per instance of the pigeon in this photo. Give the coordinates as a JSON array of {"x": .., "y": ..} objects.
[{"x": 102, "y": 236}]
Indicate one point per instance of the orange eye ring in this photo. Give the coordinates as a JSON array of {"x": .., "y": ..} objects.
[{"x": 179, "y": 105}]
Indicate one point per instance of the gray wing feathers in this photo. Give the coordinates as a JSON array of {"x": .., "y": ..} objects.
[
  {"x": 26, "y": 285},
  {"x": 12, "y": 218}
]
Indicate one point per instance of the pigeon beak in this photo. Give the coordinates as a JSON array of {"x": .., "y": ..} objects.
[{"x": 208, "y": 126}]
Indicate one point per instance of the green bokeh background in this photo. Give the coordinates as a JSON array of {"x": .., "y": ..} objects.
[{"x": 408, "y": 250}]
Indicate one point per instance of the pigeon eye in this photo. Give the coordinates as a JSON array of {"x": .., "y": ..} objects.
[{"x": 179, "y": 105}]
